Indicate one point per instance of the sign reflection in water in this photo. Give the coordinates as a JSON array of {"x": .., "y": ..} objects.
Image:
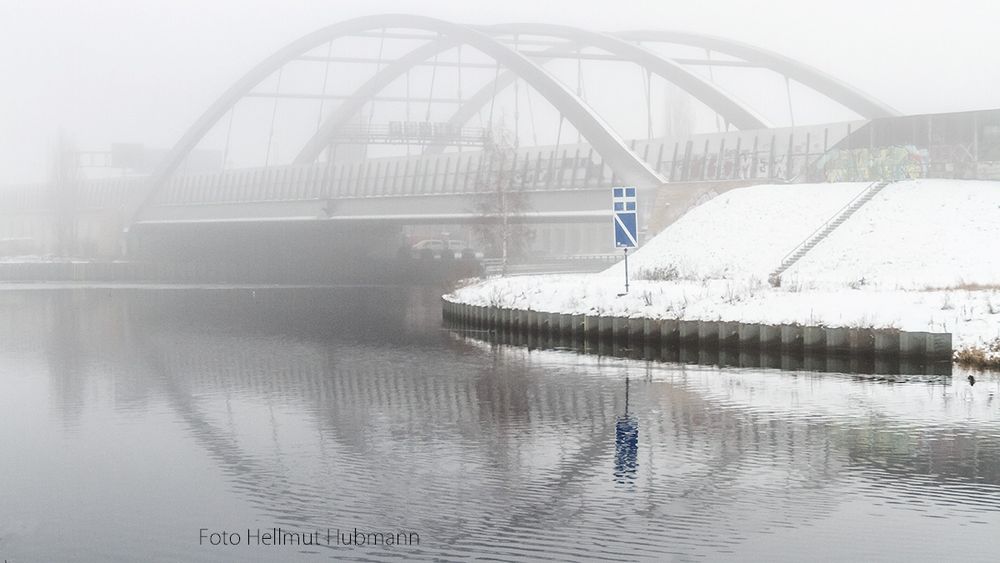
[
  {"x": 129, "y": 410},
  {"x": 626, "y": 444}
]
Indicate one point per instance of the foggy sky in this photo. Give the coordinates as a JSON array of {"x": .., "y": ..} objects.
[{"x": 143, "y": 70}]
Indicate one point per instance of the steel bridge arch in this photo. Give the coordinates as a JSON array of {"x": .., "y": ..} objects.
[
  {"x": 853, "y": 99},
  {"x": 605, "y": 141},
  {"x": 612, "y": 148},
  {"x": 732, "y": 110},
  {"x": 354, "y": 103},
  {"x": 726, "y": 105},
  {"x": 619, "y": 44},
  {"x": 837, "y": 90},
  {"x": 723, "y": 103}
]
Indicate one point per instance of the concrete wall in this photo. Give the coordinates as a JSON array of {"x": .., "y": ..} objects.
[{"x": 727, "y": 343}]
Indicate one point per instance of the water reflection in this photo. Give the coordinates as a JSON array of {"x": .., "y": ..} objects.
[
  {"x": 626, "y": 443},
  {"x": 349, "y": 407},
  {"x": 729, "y": 356}
]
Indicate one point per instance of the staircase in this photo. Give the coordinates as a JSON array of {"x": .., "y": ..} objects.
[{"x": 825, "y": 229}]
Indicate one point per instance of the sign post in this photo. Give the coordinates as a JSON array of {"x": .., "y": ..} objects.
[{"x": 625, "y": 223}]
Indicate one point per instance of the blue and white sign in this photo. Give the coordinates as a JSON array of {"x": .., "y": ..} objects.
[{"x": 626, "y": 225}]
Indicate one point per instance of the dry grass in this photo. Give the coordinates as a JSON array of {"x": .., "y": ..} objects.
[
  {"x": 964, "y": 287},
  {"x": 980, "y": 357},
  {"x": 662, "y": 273},
  {"x": 647, "y": 298}
]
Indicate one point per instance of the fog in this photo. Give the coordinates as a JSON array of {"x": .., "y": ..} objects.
[
  {"x": 125, "y": 71},
  {"x": 683, "y": 341}
]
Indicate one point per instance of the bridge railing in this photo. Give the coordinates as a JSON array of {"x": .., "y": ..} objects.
[
  {"x": 454, "y": 173},
  {"x": 774, "y": 154}
]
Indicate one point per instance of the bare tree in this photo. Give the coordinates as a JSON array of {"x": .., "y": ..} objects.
[{"x": 502, "y": 202}]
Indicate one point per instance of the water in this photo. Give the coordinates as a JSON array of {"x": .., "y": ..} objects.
[{"x": 131, "y": 419}]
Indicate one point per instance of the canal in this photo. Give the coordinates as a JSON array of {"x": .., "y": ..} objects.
[{"x": 144, "y": 423}]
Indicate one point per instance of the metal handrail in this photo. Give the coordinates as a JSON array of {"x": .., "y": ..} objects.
[{"x": 830, "y": 220}]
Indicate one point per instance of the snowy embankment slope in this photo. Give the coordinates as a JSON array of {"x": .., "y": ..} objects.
[
  {"x": 911, "y": 235},
  {"x": 914, "y": 235},
  {"x": 742, "y": 233},
  {"x": 906, "y": 259}
]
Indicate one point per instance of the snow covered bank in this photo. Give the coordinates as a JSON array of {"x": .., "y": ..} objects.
[
  {"x": 921, "y": 256},
  {"x": 912, "y": 235},
  {"x": 973, "y": 317}
]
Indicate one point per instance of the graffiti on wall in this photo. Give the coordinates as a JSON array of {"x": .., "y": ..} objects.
[{"x": 863, "y": 164}]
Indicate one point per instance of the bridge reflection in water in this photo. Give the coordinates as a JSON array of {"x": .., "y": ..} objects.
[{"x": 349, "y": 406}]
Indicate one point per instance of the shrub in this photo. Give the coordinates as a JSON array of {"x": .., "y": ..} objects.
[
  {"x": 498, "y": 298},
  {"x": 660, "y": 273},
  {"x": 858, "y": 283},
  {"x": 793, "y": 286},
  {"x": 981, "y": 357}
]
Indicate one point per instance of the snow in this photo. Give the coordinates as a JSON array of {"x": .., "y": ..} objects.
[
  {"x": 907, "y": 259},
  {"x": 742, "y": 233},
  {"x": 927, "y": 233}
]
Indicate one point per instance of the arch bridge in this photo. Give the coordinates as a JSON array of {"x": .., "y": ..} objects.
[
  {"x": 318, "y": 184},
  {"x": 341, "y": 166}
]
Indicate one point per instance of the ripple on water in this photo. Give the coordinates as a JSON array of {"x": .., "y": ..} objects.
[{"x": 261, "y": 413}]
